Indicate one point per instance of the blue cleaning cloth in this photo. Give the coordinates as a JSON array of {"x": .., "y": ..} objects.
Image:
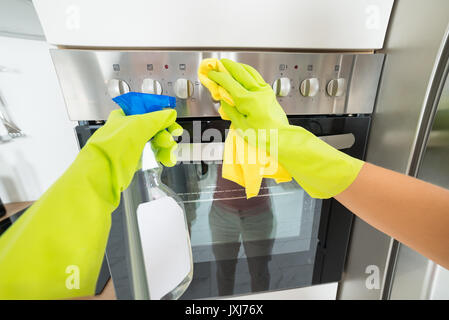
[{"x": 139, "y": 103}]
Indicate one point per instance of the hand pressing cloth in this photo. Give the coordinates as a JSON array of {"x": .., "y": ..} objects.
[{"x": 242, "y": 163}]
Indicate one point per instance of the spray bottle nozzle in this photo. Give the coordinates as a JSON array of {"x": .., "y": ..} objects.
[{"x": 139, "y": 103}]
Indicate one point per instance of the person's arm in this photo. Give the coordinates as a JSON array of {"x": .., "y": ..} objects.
[
  {"x": 412, "y": 211},
  {"x": 55, "y": 249}
]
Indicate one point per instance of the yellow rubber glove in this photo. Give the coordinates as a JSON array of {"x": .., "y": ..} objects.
[
  {"x": 242, "y": 163},
  {"x": 55, "y": 249},
  {"x": 321, "y": 170}
]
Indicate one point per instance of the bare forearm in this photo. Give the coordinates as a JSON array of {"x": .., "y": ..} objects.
[{"x": 412, "y": 211}]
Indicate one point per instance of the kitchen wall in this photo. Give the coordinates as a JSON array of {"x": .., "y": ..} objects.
[{"x": 29, "y": 86}]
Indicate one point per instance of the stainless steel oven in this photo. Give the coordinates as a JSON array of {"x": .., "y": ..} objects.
[{"x": 280, "y": 239}]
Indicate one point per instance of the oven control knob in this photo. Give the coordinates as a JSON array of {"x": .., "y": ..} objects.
[
  {"x": 183, "y": 88},
  {"x": 151, "y": 86},
  {"x": 117, "y": 87},
  {"x": 309, "y": 87},
  {"x": 336, "y": 87},
  {"x": 281, "y": 87}
]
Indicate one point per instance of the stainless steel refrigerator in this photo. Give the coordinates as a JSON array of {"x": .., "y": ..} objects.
[{"x": 410, "y": 134}]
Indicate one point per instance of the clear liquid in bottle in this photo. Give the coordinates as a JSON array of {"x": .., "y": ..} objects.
[{"x": 163, "y": 233}]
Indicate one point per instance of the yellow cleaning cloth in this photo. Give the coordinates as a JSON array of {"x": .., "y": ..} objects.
[{"x": 242, "y": 163}]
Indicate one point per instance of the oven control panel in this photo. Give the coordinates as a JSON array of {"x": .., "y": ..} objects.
[{"x": 305, "y": 83}]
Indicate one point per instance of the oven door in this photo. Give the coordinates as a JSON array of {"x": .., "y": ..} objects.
[{"x": 280, "y": 239}]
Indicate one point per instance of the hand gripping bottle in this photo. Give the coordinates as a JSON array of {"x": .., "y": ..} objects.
[{"x": 157, "y": 237}]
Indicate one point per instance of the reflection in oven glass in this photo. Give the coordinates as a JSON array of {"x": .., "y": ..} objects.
[{"x": 226, "y": 228}]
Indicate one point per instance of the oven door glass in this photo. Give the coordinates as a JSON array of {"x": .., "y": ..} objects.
[
  {"x": 242, "y": 245},
  {"x": 278, "y": 240}
]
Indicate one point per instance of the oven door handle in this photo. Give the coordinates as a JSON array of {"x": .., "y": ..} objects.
[{"x": 213, "y": 151}]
